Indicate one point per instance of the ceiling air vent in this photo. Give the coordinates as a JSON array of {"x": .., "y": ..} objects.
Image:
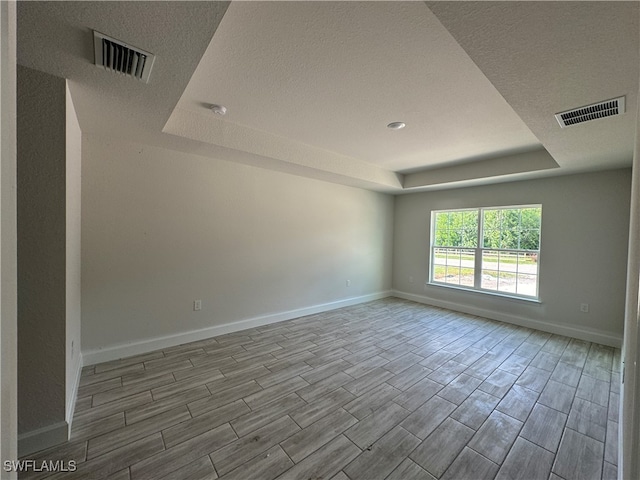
[
  {"x": 607, "y": 108},
  {"x": 119, "y": 57}
]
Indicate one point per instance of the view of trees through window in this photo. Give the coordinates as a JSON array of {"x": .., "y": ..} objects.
[{"x": 487, "y": 248}]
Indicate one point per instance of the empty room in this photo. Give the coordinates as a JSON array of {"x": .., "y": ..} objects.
[{"x": 319, "y": 240}]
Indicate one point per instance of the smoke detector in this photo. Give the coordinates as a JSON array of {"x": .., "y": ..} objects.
[
  {"x": 117, "y": 56},
  {"x": 218, "y": 109},
  {"x": 608, "y": 108}
]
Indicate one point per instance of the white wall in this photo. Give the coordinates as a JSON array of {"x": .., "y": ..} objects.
[
  {"x": 585, "y": 225},
  {"x": 162, "y": 228},
  {"x": 8, "y": 256},
  {"x": 629, "y": 425},
  {"x": 73, "y": 256}
]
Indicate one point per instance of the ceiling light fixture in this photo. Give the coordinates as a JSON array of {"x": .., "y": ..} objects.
[
  {"x": 218, "y": 109},
  {"x": 396, "y": 125}
]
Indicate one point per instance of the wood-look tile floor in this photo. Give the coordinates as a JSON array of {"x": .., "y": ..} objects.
[{"x": 385, "y": 390}]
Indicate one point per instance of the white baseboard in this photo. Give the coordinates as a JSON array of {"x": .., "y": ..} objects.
[
  {"x": 588, "y": 334},
  {"x": 71, "y": 401},
  {"x": 42, "y": 438},
  {"x": 106, "y": 354}
]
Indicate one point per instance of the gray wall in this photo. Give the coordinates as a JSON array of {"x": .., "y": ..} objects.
[
  {"x": 585, "y": 225},
  {"x": 41, "y": 250},
  {"x": 162, "y": 228},
  {"x": 8, "y": 256}
]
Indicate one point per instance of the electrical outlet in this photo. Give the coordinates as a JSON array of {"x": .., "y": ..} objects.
[
  {"x": 348, "y": 283},
  {"x": 410, "y": 279},
  {"x": 197, "y": 305},
  {"x": 584, "y": 307}
]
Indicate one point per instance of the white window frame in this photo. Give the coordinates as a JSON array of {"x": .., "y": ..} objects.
[{"x": 478, "y": 251}]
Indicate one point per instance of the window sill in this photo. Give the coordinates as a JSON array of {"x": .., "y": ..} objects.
[{"x": 485, "y": 292}]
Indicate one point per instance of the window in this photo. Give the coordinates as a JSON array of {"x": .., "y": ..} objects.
[{"x": 487, "y": 249}]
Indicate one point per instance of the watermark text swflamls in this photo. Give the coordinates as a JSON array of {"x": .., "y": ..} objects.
[{"x": 53, "y": 466}]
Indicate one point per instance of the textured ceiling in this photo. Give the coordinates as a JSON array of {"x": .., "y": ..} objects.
[
  {"x": 310, "y": 86},
  {"x": 333, "y": 75}
]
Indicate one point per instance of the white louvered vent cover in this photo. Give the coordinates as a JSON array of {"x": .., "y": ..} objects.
[
  {"x": 604, "y": 109},
  {"x": 119, "y": 57}
]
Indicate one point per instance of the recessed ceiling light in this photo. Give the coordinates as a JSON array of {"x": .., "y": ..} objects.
[
  {"x": 396, "y": 125},
  {"x": 218, "y": 109}
]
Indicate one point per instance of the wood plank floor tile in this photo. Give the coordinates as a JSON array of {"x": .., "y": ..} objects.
[
  {"x": 418, "y": 394},
  {"x": 255, "y": 419},
  {"x": 526, "y": 458},
  {"x": 614, "y": 407},
  {"x": 366, "y": 404},
  {"x": 495, "y": 437},
  {"x": 588, "y": 418},
  {"x": 121, "y": 475},
  {"x": 93, "y": 428},
  {"x": 498, "y": 383},
  {"x": 534, "y": 378},
  {"x": 325, "y": 370},
  {"x": 579, "y": 457},
  {"x": 514, "y": 364},
  {"x": 469, "y": 356},
  {"x": 76, "y": 451},
  {"x": 556, "y": 344},
  {"x": 183, "y": 454},
  {"x": 557, "y": 396},
  {"x": 123, "y": 436},
  {"x": 282, "y": 375},
  {"x": 149, "y": 409},
  {"x": 400, "y": 364},
  {"x": 475, "y": 409},
  {"x": 611, "y": 443},
  {"x": 440, "y": 449},
  {"x": 368, "y": 381},
  {"x": 609, "y": 472},
  {"x": 409, "y": 470},
  {"x": 460, "y": 388},
  {"x": 446, "y": 372},
  {"x": 86, "y": 380},
  {"x": 311, "y": 438},
  {"x": 308, "y": 414},
  {"x": 185, "y": 384},
  {"x": 545, "y": 361},
  {"x": 117, "y": 459},
  {"x": 544, "y": 427},
  {"x": 122, "y": 392},
  {"x": 340, "y": 476},
  {"x": 371, "y": 428},
  {"x": 409, "y": 377},
  {"x": 471, "y": 466},
  {"x": 350, "y": 393},
  {"x": 218, "y": 399},
  {"x": 144, "y": 375},
  {"x": 518, "y": 402},
  {"x": 427, "y": 417},
  {"x": 243, "y": 449},
  {"x": 265, "y": 466},
  {"x": 123, "y": 362},
  {"x": 324, "y": 386},
  {"x": 383, "y": 457},
  {"x": 134, "y": 401},
  {"x": 594, "y": 390},
  {"x": 193, "y": 427},
  {"x": 360, "y": 369},
  {"x": 325, "y": 462},
  {"x": 200, "y": 469},
  {"x": 567, "y": 374}
]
